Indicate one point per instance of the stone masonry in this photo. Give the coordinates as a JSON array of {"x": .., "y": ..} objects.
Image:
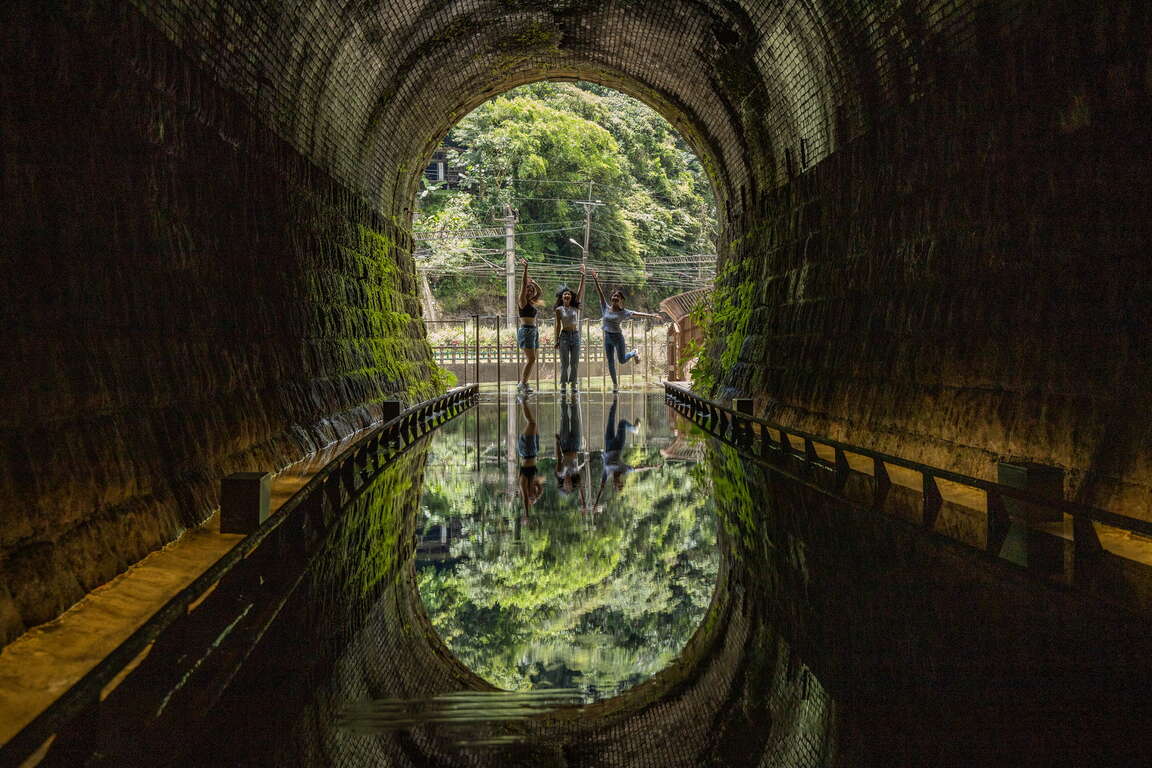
[{"x": 934, "y": 232}]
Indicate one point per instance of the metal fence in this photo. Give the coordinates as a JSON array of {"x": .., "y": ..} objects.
[
  {"x": 185, "y": 654},
  {"x": 482, "y": 349},
  {"x": 833, "y": 466}
]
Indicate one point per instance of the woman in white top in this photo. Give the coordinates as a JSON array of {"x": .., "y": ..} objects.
[
  {"x": 614, "y": 313},
  {"x": 568, "y": 445},
  {"x": 568, "y": 332}
]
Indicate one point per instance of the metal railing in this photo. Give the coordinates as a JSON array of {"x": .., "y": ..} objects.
[
  {"x": 482, "y": 348},
  {"x": 770, "y": 442},
  {"x": 198, "y": 639}
]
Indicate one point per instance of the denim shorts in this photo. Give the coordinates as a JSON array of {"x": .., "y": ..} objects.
[{"x": 528, "y": 337}]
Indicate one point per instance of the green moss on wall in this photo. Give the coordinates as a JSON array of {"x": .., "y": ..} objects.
[{"x": 724, "y": 319}]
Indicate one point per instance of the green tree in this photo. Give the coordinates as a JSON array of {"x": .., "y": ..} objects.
[{"x": 541, "y": 148}]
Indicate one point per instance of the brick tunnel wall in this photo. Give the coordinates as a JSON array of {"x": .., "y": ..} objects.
[
  {"x": 193, "y": 297},
  {"x": 969, "y": 280},
  {"x": 932, "y": 231}
]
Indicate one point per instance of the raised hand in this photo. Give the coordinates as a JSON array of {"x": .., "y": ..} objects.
[{"x": 582, "y": 269}]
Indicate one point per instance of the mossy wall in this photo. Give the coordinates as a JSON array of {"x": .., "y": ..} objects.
[
  {"x": 185, "y": 296},
  {"x": 968, "y": 280}
]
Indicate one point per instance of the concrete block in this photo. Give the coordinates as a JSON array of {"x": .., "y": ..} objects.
[
  {"x": 244, "y": 498},
  {"x": 1036, "y": 478},
  {"x": 390, "y": 409}
]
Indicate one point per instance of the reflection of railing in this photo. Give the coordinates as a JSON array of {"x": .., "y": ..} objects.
[
  {"x": 775, "y": 443},
  {"x": 200, "y": 637}
]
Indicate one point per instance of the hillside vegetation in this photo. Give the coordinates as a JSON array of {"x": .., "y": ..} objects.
[{"x": 538, "y": 150}]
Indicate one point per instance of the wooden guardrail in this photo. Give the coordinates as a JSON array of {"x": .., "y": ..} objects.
[
  {"x": 768, "y": 440},
  {"x": 185, "y": 654}
]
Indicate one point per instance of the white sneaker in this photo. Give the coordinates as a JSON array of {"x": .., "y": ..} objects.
[{"x": 635, "y": 357}]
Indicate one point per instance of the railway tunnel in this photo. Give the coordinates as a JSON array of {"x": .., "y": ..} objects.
[{"x": 933, "y": 214}]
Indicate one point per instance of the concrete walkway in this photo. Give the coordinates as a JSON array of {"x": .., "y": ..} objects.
[{"x": 47, "y": 660}]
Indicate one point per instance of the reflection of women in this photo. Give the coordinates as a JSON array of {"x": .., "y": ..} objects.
[
  {"x": 528, "y": 335},
  {"x": 568, "y": 463},
  {"x": 614, "y": 313},
  {"x": 615, "y": 435},
  {"x": 568, "y": 331},
  {"x": 528, "y": 446}
]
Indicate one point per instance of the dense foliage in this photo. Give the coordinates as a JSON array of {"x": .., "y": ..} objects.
[
  {"x": 537, "y": 150},
  {"x": 560, "y": 596}
]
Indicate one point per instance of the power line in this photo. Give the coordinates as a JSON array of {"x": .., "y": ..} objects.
[{"x": 553, "y": 199}]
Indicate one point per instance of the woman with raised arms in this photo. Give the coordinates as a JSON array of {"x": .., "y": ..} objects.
[
  {"x": 568, "y": 332},
  {"x": 614, "y": 313},
  {"x": 527, "y": 335}
]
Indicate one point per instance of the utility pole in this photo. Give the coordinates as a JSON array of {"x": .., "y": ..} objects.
[
  {"x": 587, "y": 232},
  {"x": 509, "y": 221},
  {"x": 587, "y": 226},
  {"x": 588, "y": 205}
]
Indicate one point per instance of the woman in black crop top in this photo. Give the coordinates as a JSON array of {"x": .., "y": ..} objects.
[{"x": 527, "y": 336}]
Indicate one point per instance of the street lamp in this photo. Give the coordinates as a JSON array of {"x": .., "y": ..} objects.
[{"x": 583, "y": 251}]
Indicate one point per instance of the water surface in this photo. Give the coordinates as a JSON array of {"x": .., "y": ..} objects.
[{"x": 566, "y": 542}]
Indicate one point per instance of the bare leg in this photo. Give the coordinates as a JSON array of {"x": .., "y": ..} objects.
[{"x": 529, "y": 364}]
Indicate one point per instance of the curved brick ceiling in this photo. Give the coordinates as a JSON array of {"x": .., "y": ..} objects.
[{"x": 366, "y": 89}]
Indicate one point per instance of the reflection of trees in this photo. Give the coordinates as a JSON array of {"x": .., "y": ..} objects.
[{"x": 600, "y": 602}]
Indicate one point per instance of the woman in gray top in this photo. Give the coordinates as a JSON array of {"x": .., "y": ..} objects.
[
  {"x": 568, "y": 331},
  {"x": 614, "y": 313}
]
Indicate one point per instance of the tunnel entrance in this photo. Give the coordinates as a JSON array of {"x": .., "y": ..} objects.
[{"x": 592, "y": 191}]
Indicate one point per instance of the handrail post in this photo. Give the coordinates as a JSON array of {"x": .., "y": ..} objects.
[
  {"x": 842, "y": 469},
  {"x": 1085, "y": 542},
  {"x": 476, "y": 322},
  {"x": 744, "y": 406},
  {"x": 933, "y": 501},
  {"x": 998, "y": 524},
  {"x": 881, "y": 483},
  {"x": 464, "y": 346}
]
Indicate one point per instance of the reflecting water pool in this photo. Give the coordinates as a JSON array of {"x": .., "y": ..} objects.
[
  {"x": 481, "y": 598},
  {"x": 566, "y": 542}
]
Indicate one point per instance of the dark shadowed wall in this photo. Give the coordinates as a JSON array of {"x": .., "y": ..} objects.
[
  {"x": 969, "y": 280},
  {"x": 190, "y": 297}
]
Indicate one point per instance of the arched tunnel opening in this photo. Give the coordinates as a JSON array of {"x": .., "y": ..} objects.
[{"x": 933, "y": 244}]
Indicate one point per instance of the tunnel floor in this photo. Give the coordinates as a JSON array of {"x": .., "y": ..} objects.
[{"x": 679, "y": 606}]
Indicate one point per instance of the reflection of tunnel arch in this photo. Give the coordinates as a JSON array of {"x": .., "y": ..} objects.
[
  {"x": 212, "y": 267},
  {"x": 737, "y": 689},
  {"x": 833, "y": 638}
]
